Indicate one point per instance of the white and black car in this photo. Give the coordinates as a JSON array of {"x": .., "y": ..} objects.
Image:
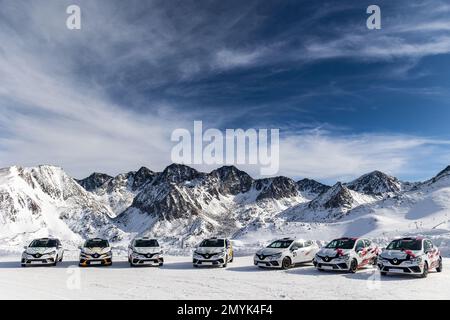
[
  {"x": 285, "y": 253},
  {"x": 213, "y": 252},
  {"x": 145, "y": 251},
  {"x": 414, "y": 256},
  {"x": 347, "y": 254},
  {"x": 45, "y": 251},
  {"x": 95, "y": 251}
]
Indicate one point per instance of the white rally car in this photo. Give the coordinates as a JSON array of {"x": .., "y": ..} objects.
[
  {"x": 346, "y": 254},
  {"x": 415, "y": 256},
  {"x": 213, "y": 252},
  {"x": 95, "y": 252},
  {"x": 45, "y": 251},
  {"x": 285, "y": 253},
  {"x": 145, "y": 251}
]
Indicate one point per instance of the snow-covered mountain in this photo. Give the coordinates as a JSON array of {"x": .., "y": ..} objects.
[
  {"x": 181, "y": 205},
  {"x": 45, "y": 201}
]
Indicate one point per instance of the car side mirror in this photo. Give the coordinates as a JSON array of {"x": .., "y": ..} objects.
[{"x": 25, "y": 247}]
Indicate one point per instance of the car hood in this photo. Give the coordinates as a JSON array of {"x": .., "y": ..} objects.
[
  {"x": 146, "y": 250},
  {"x": 269, "y": 251},
  {"x": 40, "y": 250},
  {"x": 204, "y": 250},
  {"x": 324, "y": 252},
  {"x": 96, "y": 250},
  {"x": 397, "y": 254}
]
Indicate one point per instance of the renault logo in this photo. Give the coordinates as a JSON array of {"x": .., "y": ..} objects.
[
  {"x": 395, "y": 261},
  {"x": 326, "y": 259}
]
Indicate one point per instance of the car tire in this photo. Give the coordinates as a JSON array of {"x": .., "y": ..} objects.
[
  {"x": 56, "y": 261},
  {"x": 353, "y": 266},
  {"x": 232, "y": 258},
  {"x": 226, "y": 262},
  {"x": 286, "y": 263},
  {"x": 439, "y": 267},
  {"x": 425, "y": 271},
  {"x": 161, "y": 264},
  {"x": 383, "y": 273},
  {"x": 195, "y": 265},
  {"x": 23, "y": 265}
]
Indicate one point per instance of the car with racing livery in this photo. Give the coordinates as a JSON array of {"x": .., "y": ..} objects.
[
  {"x": 347, "y": 254},
  {"x": 213, "y": 252},
  {"x": 95, "y": 251},
  {"x": 410, "y": 255},
  {"x": 145, "y": 252},
  {"x": 44, "y": 251},
  {"x": 286, "y": 253}
]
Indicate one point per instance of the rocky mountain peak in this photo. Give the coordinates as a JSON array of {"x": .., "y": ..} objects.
[
  {"x": 310, "y": 186},
  {"x": 276, "y": 188},
  {"x": 230, "y": 180},
  {"x": 178, "y": 173},
  {"x": 376, "y": 183},
  {"x": 442, "y": 174},
  {"x": 94, "y": 181},
  {"x": 337, "y": 197}
]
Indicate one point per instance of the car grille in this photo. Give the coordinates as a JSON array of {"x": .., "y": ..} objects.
[
  {"x": 397, "y": 261},
  {"x": 207, "y": 255},
  {"x": 327, "y": 258}
]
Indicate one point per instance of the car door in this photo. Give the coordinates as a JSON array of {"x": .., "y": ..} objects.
[
  {"x": 369, "y": 248},
  {"x": 432, "y": 252},
  {"x": 297, "y": 253},
  {"x": 59, "y": 249},
  {"x": 360, "y": 250},
  {"x": 229, "y": 249},
  {"x": 308, "y": 251}
]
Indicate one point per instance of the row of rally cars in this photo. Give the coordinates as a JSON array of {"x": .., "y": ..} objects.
[
  {"x": 49, "y": 251},
  {"x": 415, "y": 256}
]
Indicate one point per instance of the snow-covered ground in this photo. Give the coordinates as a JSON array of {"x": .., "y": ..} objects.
[{"x": 177, "y": 279}]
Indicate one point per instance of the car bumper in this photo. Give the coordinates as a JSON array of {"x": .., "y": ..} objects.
[
  {"x": 84, "y": 262},
  {"x": 339, "y": 265},
  {"x": 140, "y": 261},
  {"x": 400, "y": 269},
  {"x": 266, "y": 263},
  {"x": 208, "y": 262},
  {"x": 40, "y": 261}
]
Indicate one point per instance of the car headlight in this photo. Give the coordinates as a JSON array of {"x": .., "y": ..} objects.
[
  {"x": 276, "y": 256},
  {"x": 345, "y": 257},
  {"x": 51, "y": 253},
  {"x": 416, "y": 260}
]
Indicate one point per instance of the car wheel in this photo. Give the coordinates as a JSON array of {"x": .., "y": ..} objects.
[
  {"x": 161, "y": 264},
  {"x": 286, "y": 263},
  {"x": 23, "y": 265},
  {"x": 232, "y": 258},
  {"x": 56, "y": 261},
  {"x": 383, "y": 274},
  {"x": 195, "y": 265},
  {"x": 439, "y": 267},
  {"x": 425, "y": 271},
  {"x": 353, "y": 266},
  {"x": 226, "y": 262}
]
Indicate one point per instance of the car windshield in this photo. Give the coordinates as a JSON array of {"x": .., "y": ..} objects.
[
  {"x": 405, "y": 244},
  {"x": 345, "y": 244},
  {"x": 280, "y": 244},
  {"x": 96, "y": 243},
  {"x": 146, "y": 243},
  {"x": 43, "y": 243},
  {"x": 213, "y": 243}
]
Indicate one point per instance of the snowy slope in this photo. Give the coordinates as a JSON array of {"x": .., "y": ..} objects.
[
  {"x": 45, "y": 201},
  {"x": 177, "y": 279}
]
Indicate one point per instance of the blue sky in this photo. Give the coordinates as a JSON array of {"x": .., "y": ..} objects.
[{"x": 347, "y": 100}]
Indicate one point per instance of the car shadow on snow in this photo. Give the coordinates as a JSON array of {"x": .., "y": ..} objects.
[
  {"x": 373, "y": 275},
  {"x": 253, "y": 268}
]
